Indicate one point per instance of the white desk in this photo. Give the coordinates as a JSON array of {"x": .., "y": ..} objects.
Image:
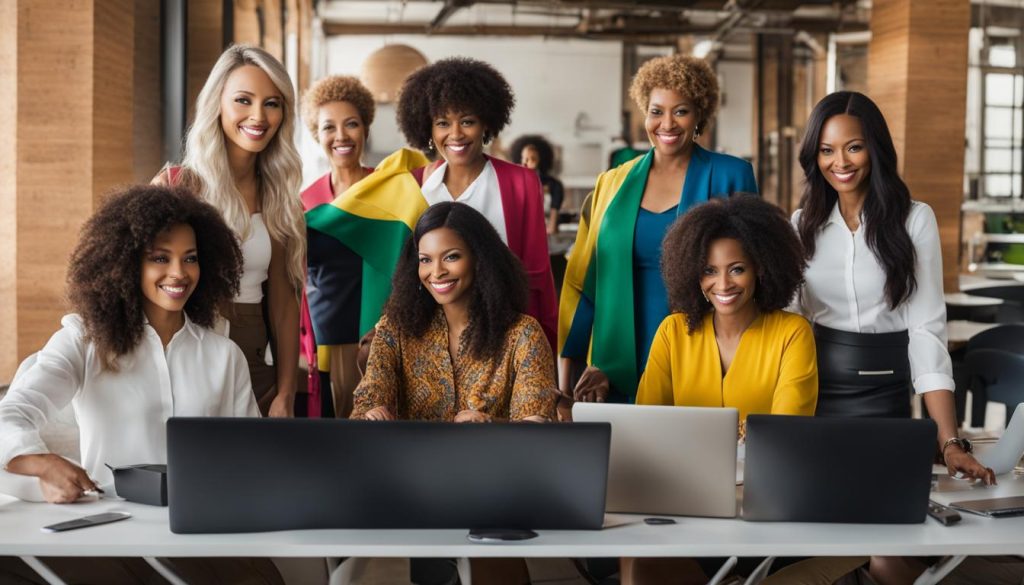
[{"x": 147, "y": 535}]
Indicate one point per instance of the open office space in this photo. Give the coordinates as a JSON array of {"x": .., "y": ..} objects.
[{"x": 512, "y": 291}]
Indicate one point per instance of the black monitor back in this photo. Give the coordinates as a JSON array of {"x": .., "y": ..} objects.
[
  {"x": 858, "y": 470},
  {"x": 253, "y": 475}
]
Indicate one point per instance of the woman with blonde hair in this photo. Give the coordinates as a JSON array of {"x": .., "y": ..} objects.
[{"x": 240, "y": 157}]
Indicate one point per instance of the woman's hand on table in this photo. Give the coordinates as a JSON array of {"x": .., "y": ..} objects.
[
  {"x": 379, "y": 413},
  {"x": 60, "y": 480},
  {"x": 472, "y": 416},
  {"x": 965, "y": 465},
  {"x": 592, "y": 387}
]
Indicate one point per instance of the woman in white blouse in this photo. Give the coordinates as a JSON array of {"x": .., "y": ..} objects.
[
  {"x": 873, "y": 286},
  {"x": 138, "y": 348}
]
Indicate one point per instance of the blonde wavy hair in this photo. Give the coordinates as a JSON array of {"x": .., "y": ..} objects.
[{"x": 205, "y": 166}]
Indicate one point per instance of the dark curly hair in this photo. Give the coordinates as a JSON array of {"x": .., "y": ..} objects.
[
  {"x": 888, "y": 201},
  {"x": 105, "y": 272},
  {"x": 457, "y": 84},
  {"x": 767, "y": 239},
  {"x": 545, "y": 152},
  {"x": 498, "y": 294}
]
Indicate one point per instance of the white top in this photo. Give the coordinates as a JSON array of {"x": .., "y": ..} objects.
[
  {"x": 844, "y": 289},
  {"x": 482, "y": 195},
  {"x": 122, "y": 415},
  {"x": 256, "y": 261}
]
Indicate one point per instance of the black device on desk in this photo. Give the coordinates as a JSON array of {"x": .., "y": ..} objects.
[
  {"x": 253, "y": 475},
  {"x": 857, "y": 470}
]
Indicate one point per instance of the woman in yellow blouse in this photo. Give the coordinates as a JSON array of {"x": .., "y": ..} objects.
[
  {"x": 730, "y": 266},
  {"x": 454, "y": 344}
]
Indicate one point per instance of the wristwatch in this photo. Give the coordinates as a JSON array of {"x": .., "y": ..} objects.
[{"x": 962, "y": 443}]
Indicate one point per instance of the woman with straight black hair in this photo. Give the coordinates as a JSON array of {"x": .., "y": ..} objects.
[{"x": 873, "y": 286}]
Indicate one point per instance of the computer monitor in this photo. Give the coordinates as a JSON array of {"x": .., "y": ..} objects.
[
  {"x": 858, "y": 470},
  {"x": 674, "y": 460},
  {"x": 253, "y": 475}
]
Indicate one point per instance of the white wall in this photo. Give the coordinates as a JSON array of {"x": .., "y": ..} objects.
[{"x": 556, "y": 83}]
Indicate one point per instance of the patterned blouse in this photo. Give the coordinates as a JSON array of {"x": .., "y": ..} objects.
[{"x": 417, "y": 379}]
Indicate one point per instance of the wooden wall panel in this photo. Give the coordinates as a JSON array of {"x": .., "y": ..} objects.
[
  {"x": 205, "y": 44},
  {"x": 54, "y": 156},
  {"x": 8, "y": 190},
  {"x": 147, "y": 121},
  {"x": 918, "y": 76},
  {"x": 113, "y": 82}
]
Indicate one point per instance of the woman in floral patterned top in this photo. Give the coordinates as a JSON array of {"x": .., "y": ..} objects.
[{"x": 454, "y": 344}]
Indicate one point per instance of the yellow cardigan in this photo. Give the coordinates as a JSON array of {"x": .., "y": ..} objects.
[{"x": 775, "y": 369}]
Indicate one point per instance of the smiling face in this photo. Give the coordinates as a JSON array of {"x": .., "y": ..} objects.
[
  {"x": 671, "y": 122},
  {"x": 459, "y": 138},
  {"x": 843, "y": 155},
  {"x": 729, "y": 278},
  {"x": 445, "y": 266},
  {"x": 170, "y": 272},
  {"x": 341, "y": 133},
  {"x": 251, "y": 109},
  {"x": 530, "y": 157}
]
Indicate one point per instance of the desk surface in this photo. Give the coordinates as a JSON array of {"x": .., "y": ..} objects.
[{"x": 147, "y": 534}]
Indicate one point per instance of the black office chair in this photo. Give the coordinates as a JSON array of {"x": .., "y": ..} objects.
[
  {"x": 1000, "y": 374},
  {"x": 1003, "y": 338},
  {"x": 1012, "y": 309}
]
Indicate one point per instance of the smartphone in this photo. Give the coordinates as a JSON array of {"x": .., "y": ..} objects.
[{"x": 86, "y": 521}]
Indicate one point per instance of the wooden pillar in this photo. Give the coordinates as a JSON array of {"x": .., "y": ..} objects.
[
  {"x": 66, "y": 82},
  {"x": 917, "y": 74}
]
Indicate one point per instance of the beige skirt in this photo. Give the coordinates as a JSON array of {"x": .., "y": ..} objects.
[{"x": 249, "y": 331}]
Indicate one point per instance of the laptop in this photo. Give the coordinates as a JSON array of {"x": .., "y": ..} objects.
[
  {"x": 254, "y": 475},
  {"x": 670, "y": 460},
  {"x": 993, "y": 507},
  {"x": 857, "y": 470},
  {"x": 1004, "y": 455}
]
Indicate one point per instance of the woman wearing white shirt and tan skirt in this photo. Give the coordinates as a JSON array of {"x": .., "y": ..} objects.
[
  {"x": 144, "y": 281},
  {"x": 873, "y": 286}
]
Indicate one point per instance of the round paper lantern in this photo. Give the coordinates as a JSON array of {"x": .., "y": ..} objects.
[{"x": 385, "y": 70}]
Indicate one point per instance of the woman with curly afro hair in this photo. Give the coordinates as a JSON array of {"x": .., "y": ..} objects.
[
  {"x": 607, "y": 317},
  {"x": 730, "y": 267},
  {"x": 145, "y": 280},
  {"x": 535, "y": 152},
  {"x": 454, "y": 344},
  {"x": 453, "y": 108}
]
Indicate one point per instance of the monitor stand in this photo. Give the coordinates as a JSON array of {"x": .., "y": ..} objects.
[{"x": 493, "y": 535}]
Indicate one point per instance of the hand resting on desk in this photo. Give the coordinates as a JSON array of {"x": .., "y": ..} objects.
[{"x": 60, "y": 480}]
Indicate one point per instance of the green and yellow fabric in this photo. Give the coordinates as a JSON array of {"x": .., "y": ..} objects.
[
  {"x": 597, "y": 307},
  {"x": 374, "y": 218}
]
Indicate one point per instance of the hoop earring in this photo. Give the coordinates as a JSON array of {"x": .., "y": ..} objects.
[{"x": 705, "y": 294}]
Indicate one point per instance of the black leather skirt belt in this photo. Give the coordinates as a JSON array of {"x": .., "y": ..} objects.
[{"x": 862, "y": 374}]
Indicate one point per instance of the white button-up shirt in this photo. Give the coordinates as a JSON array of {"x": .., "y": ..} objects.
[
  {"x": 121, "y": 415},
  {"x": 845, "y": 289},
  {"x": 483, "y": 195}
]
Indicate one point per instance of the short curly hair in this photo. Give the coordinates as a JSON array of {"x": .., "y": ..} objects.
[
  {"x": 456, "y": 84},
  {"x": 767, "y": 239},
  {"x": 545, "y": 152},
  {"x": 105, "y": 272},
  {"x": 499, "y": 292},
  {"x": 337, "y": 88},
  {"x": 690, "y": 76}
]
